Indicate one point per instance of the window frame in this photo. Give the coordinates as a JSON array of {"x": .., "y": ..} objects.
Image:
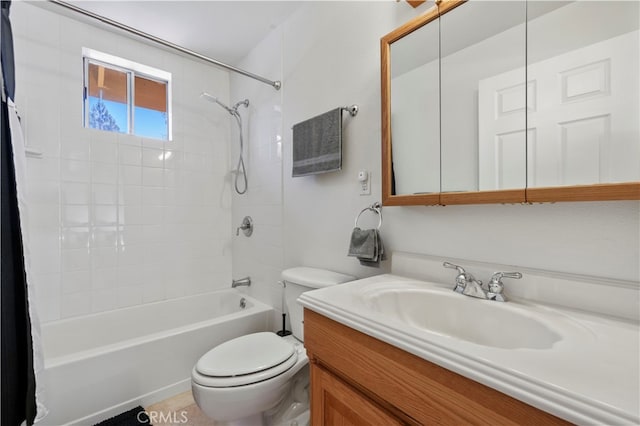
[{"x": 132, "y": 70}]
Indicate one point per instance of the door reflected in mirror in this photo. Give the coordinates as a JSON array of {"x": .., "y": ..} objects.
[{"x": 583, "y": 71}]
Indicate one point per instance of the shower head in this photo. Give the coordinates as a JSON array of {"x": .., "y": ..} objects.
[
  {"x": 231, "y": 110},
  {"x": 212, "y": 98}
]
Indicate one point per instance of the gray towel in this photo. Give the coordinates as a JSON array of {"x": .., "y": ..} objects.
[
  {"x": 366, "y": 245},
  {"x": 317, "y": 144}
]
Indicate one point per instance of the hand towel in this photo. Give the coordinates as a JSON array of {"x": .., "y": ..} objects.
[{"x": 367, "y": 246}]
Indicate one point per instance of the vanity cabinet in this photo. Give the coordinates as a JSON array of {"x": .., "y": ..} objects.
[{"x": 359, "y": 380}]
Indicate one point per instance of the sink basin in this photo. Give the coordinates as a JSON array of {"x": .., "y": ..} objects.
[{"x": 506, "y": 325}]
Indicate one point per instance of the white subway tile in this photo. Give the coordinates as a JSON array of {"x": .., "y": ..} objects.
[
  {"x": 152, "y": 215},
  {"x": 173, "y": 159},
  {"x": 130, "y": 175},
  {"x": 75, "y": 171},
  {"x": 75, "y": 215},
  {"x": 104, "y": 257},
  {"x": 75, "y": 193},
  {"x": 152, "y": 176},
  {"x": 152, "y": 195},
  {"x": 48, "y": 309},
  {"x": 104, "y": 193},
  {"x": 130, "y": 275},
  {"x": 130, "y": 215},
  {"x": 130, "y": 296},
  {"x": 103, "y": 151},
  {"x": 75, "y": 149},
  {"x": 152, "y": 157},
  {"x": 104, "y": 299},
  {"x": 45, "y": 259},
  {"x": 75, "y": 238},
  {"x": 76, "y": 281},
  {"x": 104, "y": 173},
  {"x": 130, "y": 234},
  {"x": 171, "y": 178},
  {"x": 43, "y": 169},
  {"x": 153, "y": 292},
  {"x": 43, "y": 192},
  {"x": 132, "y": 140},
  {"x": 75, "y": 259},
  {"x": 130, "y": 155},
  {"x": 131, "y": 255},
  {"x": 130, "y": 194},
  {"x": 104, "y": 278},
  {"x": 104, "y": 236},
  {"x": 153, "y": 233},
  {"x": 75, "y": 304},
  {"x": 105, "y": 215}
]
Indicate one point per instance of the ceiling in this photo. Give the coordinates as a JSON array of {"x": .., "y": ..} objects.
[{"x": 223, "y": 30}]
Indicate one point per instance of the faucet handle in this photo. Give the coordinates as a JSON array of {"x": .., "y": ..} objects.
[
  {"x": 461, "y": 278},
  {"x": 497, "y": 276},
  {"x": 452, "y": 266},
  {"x": 496, "y": 287}
]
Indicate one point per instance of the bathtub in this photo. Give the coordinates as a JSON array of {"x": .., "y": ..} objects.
[{"x": 99, "y": 365}]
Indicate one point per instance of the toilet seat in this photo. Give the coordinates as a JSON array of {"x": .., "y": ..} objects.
[{"x": 245, "y": 360}]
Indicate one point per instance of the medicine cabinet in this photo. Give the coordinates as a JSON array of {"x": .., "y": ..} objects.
[{"x": 512, "y": 101}]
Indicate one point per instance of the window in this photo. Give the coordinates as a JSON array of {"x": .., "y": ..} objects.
[{"x": 126, "y": 97}]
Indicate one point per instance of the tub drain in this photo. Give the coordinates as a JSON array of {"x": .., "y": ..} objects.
[{"x": 243, "y": 303}]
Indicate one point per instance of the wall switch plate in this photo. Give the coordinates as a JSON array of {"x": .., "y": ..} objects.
[{"x": 364, "y": 182}]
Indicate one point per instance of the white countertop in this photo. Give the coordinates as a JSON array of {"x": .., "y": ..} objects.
[{"x": 591, "y": 376}]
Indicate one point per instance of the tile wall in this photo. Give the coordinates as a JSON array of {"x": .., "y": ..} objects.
[
  {"x": 118, "y": 220},
  {"x": 261, "y": 255}
]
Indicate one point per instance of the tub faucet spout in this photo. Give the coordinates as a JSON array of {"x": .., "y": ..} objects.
[{"x": 246, "y": 281}]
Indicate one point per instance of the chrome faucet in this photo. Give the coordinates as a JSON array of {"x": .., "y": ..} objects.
[
  {"x": 246, "y": 281},
  {"x": 467, "y": 284},
  {"x": 496, "y": 286}
]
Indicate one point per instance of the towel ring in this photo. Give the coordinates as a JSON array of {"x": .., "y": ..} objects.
[{"x": 376, "y": 208}]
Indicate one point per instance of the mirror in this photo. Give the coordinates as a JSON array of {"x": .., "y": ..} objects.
[
  {"x": 538, "y": 105},
  {"x": 583, "y": 70},
  {"x": 479, "y": 154},
  {"x": 415, "y": 112}
]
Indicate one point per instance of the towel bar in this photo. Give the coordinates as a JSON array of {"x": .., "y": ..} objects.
[
  {"x": 353, "y": 110},
  {"x": 376, "y": 208}
]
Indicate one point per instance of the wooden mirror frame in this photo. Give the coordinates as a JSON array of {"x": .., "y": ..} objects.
[{"x": 596, "y": 192}]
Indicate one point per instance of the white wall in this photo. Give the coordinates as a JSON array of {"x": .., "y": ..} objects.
[
  {"x": 261, "y": 255},
  {"x": 112, "y": 224},
  {"x": 330, "y": 57}
]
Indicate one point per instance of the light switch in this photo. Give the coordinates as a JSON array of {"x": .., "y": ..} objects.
[{"x": 364, "y": 183}]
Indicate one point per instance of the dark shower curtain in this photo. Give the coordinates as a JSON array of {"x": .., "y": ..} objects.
[{"x": 18, "y": 378}]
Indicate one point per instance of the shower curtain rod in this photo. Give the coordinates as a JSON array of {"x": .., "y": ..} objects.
[{"x": 275, "y": 84}]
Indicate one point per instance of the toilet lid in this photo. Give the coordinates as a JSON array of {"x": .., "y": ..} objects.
[{"x": 246, "y": 355}]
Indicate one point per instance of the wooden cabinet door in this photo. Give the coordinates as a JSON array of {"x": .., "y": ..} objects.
[{"x": 334, "y": 403}]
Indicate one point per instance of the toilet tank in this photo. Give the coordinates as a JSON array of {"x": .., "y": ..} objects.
[{"x": 301, "y": 279}]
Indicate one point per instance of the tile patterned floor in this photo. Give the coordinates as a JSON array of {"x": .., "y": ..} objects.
[{"x": 180, "y": 410}]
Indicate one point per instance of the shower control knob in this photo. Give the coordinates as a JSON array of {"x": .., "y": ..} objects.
[{"x": 246, "y": 226}]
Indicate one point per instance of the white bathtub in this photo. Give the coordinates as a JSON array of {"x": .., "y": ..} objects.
[{"x": 99, "y": 365}]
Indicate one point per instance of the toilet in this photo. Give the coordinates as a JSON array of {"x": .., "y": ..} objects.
[{"x": 262, "y": 378}]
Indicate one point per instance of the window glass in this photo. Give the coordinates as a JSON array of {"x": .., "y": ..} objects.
[
  {"x": 126, "y": 97},
  {"x": 108, "y": 98},
  {"x": 150, "y": 108}
]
